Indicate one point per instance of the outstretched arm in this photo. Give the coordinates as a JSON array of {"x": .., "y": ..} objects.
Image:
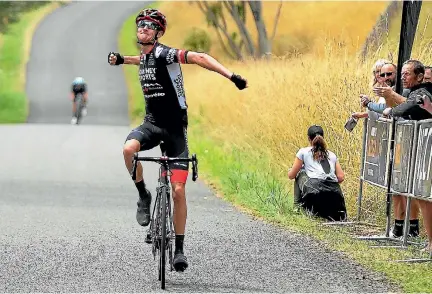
[
  {"x": 116, "y": 59},
  {"x": 132, "y": 60},
  {"x": 206, "y": 61}
]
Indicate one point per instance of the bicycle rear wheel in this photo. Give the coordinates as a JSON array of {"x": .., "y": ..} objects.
[{"x": 163, "y": 244}]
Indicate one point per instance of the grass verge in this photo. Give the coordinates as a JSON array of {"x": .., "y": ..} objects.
[
  {"x": 14, "y": 53},
  {"x": 258, "y": 191}
]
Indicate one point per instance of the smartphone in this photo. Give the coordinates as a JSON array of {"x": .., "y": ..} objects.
[{"x": 350, "y": 124}]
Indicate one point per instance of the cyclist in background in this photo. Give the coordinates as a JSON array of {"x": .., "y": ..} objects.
[{"x": 78, "y": 86}]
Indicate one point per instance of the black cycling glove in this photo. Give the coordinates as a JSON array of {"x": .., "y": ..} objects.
[
  {"x": 238, "y": 81},
  {"x": 120, "y": 59}
]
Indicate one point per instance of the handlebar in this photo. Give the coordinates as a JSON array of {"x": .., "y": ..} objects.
[{"x": 165, "y": 160}]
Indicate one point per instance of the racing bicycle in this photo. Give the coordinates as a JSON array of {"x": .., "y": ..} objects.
[{"x": 161, "y": 231}]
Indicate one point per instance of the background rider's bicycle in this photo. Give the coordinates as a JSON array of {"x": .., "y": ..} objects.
[
  {"x": 79, "y": 100},
  {"x": 161, "y": 231}
]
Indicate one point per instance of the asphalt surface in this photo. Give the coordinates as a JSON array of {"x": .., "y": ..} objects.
[
  {"x": 67, "y": 204},
  {"x": 75, "y": 41}
]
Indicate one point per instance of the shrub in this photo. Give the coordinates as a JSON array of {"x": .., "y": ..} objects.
[{"x": 197, "y": 40}]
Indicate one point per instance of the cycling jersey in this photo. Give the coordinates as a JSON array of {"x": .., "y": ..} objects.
[
  {"x": 161, "y": 80},
  {"x": 79, "y": 88}
]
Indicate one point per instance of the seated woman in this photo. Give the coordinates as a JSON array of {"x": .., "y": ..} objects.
[{"x": 317, "y": 175}]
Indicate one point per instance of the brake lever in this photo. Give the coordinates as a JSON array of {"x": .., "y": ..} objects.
[
  {"x": 134, "y": 168},
  {"x": 194, "y": 168}
]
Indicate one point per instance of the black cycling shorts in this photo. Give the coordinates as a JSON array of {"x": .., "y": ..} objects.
[
  {"x": 76, "y": 94},
  {"x": 77, "y": 89},
  {"x": 175, "y": 141}
]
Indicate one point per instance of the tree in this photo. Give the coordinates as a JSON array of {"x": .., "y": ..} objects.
[
  {"x": 10, "y": 11},
  {"x": 381, "y": 27},
  {"x": 236, "y": 45},
  {"x": 197, "y": 40}
]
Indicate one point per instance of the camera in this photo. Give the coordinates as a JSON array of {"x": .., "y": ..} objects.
[{"x": 419, "y": 95}]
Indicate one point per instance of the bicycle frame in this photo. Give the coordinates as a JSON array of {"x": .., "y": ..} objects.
[{"x": 161, "y": 227}]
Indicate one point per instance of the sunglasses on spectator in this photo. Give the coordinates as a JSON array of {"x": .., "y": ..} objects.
[{"x": 386, "y": 74}]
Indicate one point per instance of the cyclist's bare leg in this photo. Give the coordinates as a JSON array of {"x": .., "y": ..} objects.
[
  {"x": 73, "y": 108},
  {"x": 129, "y": 149},
  {"x": 179, "y": 218},
  {"x": 180, "y": 207},
  {"x": 143, "y": 211}
]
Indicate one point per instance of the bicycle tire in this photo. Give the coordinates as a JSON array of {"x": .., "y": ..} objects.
[
  {"x": 79, "y": 107},
  {"x": 162, "y": 251},
  {"x": 171, "y": 230}
]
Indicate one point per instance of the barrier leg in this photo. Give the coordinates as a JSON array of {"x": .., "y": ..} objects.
[
  {"x": 360, "y": 195},
  {"x": 386, "y": 237},
  {"x": 406, "y": 222}
]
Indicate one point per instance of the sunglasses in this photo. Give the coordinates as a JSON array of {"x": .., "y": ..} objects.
[
  {"x": 148, "y": 25},
  {"x": 386, "y": 74}
]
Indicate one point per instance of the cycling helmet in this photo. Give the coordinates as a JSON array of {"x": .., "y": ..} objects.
[
  {"x": 152, "y": 17},
  {"x": 78, "y": 81}
]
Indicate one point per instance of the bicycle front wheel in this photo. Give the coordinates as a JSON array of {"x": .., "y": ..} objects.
[
  {"x": 163, "y": 245},
  {"x": 79, "y": 107}
]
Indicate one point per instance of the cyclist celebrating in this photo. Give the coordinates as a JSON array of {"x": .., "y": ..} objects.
[
  {"x": 78, "y": 86},
  {"x": 166, "y": 114}
]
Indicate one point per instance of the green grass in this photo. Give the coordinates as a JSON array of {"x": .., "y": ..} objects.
[
  {"x": 127, "y": 46},
  {"x": 13, "y": 106},
  {"x": 244, "y": 178},
  {"x": 14, "y": 51}
]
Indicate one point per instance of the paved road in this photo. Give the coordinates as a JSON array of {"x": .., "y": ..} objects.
[
  {"x": 75, "y": 41},
  {"x": 67, "y": 205}
]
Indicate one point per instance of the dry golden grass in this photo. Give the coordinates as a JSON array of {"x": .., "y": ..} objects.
[
  {"x": 302, "y": 24},
  {"x": 284, "y": 98}
]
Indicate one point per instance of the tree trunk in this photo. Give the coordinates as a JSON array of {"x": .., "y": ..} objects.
[
  {"x": 263, "y": 41},
  {"x": 242, "y": 28},
  {"x": 206, "y": 10},
  {"x": 225, "y": 49},
  {"x": 276, "y": 21}
]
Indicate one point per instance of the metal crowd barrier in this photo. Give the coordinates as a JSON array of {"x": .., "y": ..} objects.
[{"x": 406, "y": 169}]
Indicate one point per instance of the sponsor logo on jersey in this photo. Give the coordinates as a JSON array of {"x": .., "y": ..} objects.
[
  {"x": 151, "y": 61},
  {"x": 154, "y": 86},
  {"x": 155, "y": 95},
  {"x": 147, "y": 74}
]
